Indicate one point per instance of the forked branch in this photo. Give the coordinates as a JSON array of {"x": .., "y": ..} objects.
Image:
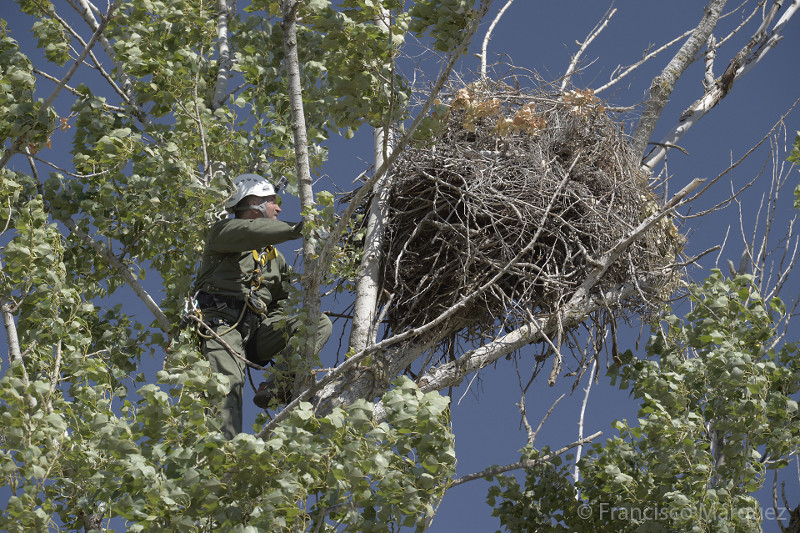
[
  {"x": 662, "y": 86},
  {"x": 748, "y": 57}
]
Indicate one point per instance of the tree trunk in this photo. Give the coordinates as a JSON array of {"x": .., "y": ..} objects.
[
  {"x": 364, "y": 327},
  {"x": 311, "y": 297},
  {"x": 14, "y": 352},
  {"x": 224, "y": 61}
]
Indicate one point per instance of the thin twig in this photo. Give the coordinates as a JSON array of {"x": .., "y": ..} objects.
[
  {"x": 488, "y": 36},
  {"x": 528, "y": 463},
  {"x": 576, "y": 473},
  {"x": 573, "y": 64},
  {"x": 544, "y": 419},
  {"x": 14, "y": 148}
]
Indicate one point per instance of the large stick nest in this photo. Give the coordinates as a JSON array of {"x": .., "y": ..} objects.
[{"x": 515, "y": 197}]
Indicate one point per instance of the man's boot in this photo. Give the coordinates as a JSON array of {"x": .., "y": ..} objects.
[{"x": 272, "y": 393}]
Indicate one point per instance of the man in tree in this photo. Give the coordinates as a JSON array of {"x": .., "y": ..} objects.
[{"x": 242, "y": 289}]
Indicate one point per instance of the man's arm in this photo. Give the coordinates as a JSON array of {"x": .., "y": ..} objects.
[{"x": 241, "y": 235}]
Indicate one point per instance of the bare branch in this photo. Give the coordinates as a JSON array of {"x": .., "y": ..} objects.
[
  {"x": 47, "y": 76},
  {"x": 529, "y": 463},
  {"x": 113, "y": 261},
  {"x": 711, "y": 54},
  {"x": 524, "y": 414},
  {"x": 747, "y": 58},
  {"x": 544, "y": 419},
  {"x": 573, "y": 64},
  {"x": 663, "y": 84},
  {"x": 614, "y": 79},
  {"x": 760, "y": 248},
  {"x": 756, "y": 9},
  {"x": 488, "y": 35},
  {"x": 576, "y": 473},
  {"x": 736, "y": 163}
]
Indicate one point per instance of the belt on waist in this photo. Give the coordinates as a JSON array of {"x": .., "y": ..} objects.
[{"x": 217, "y": 301}]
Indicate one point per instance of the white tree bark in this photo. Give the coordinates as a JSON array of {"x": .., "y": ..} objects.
[
  {"x": 573, "y": 64},
  {"x": 364, "y": 327},
  {"x": 224, "y": 62},
  {"x": 311, "y": 279},
  {"x": 488, "y": 36},
  {"x": 664, "y": 83},
  {"x": 577, "y": 472},
  {"x": 14, "y": 352},
  {"x": 747, "y": 58}
]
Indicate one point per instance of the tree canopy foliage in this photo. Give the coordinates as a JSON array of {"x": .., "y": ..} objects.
[{"x": 718, "y": 410}]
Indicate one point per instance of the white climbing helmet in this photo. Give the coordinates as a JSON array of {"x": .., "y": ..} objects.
[{"x": 249, "y": 185}]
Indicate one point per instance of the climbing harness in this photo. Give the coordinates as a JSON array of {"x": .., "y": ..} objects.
[
  {"x": 199, "y": 314},
  {"x": 252, "y": 301}
]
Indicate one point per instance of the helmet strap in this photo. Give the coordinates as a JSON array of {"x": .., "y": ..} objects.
[{"x": 261, "y": 208}]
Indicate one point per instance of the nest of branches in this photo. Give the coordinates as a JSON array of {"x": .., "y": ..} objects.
[{"x": 511, "y": 203}]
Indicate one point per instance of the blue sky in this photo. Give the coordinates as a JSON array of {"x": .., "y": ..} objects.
[{"x": 542, "y": 36}]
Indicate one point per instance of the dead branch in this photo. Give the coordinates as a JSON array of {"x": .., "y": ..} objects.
[
  {"x": 528, "y": 463},
  {"x": 532, "y": 437},
  {"x": 488, "y": 35},
  {"x": 624, "y": 72},
  {"x": 663, "y": 84},
  {"x": 573, "y": 64},
  {"x": 747, "y": 58},
  {"x": 576, "y": 473}
]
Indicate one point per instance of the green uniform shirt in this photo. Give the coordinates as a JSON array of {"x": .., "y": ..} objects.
[{"x": 227, "y": 265}]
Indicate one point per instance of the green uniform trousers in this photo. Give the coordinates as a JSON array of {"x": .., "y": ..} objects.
[{"x": 260, "y": 339}]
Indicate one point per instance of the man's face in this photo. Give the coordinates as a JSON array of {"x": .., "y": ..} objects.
[
  {"x": 262, "y": 207},
  {"x": 271, "y": 207}
]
